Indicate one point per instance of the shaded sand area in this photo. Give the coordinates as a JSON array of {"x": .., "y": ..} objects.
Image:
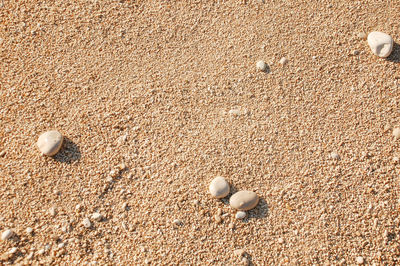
[{"x": 155, "y": 99}]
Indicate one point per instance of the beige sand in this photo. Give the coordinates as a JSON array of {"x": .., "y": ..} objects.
[{"x": 164, "y": 76}]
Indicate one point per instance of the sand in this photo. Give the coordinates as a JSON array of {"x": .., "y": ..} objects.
[{"x": 151, "y": 84}]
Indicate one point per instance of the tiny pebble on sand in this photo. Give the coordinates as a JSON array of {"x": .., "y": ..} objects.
[
  {"x": 335, "y": 155},
  {"x": 283, "y": 61},
  {"x": 240, "y": 215},
  {"x": 219, "y": 187},
  {"x": 396, "y": 132},
  {"x": 7, "y": 234},
  {"x": 50, "y": 142},
  {"x": 261, "y": 65},
  {"x": 239, "y": 252},
  {"x": 381, "y": 44},
  {"x": 13, "y": 250},
  {"x": 97, "y": 216},
  {"x": 244, "y": 200},
  {"x": 86, "y": 223},
  {"x": 360, "y": 260}
]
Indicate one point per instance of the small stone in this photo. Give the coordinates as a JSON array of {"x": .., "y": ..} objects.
[
  {"x": 283, "y": 61},
  {"x": 61, "y": 245},
  {"x": 396, "y": 132},
  {"x": 41, "y": 252},
  {"x": 219, "y": 187},
  {"x": 217, "y": 219},
  {"x": 396, "y": 159},
  {"x": 86, "y": 223},
  {"x": 177, "y": 222},
  {"x": 50, "y": 142},
  {"x": 125, "y": 206},
  {"x": 356, "y": 52},
  {"x": 261, "y": 65},
  {"x": 219, "y": 211},
  {"x": 196, "y": 202},
  {"x": 122, "y": 166},
  {"x": 7, "y": 234},
  {"x": 244, "y": 261},
  {"x": 244, "y": 200},
  {"x": 360, "y": 260},
  {"x": 280, "y": 240},
  {"x": 240, "y": 215},
  {"x": 362, "y": 36},
  {"x": 380, "y": 43},
  {"x": 97, "y": 216},
  {"x": 231, "y": 226},
  {"x": 52, "y": 211},
  {"x": 2, "y": 153},
  {"x": 13, "y": 250},
  {"x": 114, "y": 173},
  {"x": 239, "y": 252},
  {"x": 335, "y": 156},
  {"x": 29, "y": 230}
]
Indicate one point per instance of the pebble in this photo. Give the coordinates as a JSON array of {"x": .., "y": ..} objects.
[
  {"x": 280, "y": 240},
  {"x": 240, "y": 215},
  {"x": 238, "y": 111},
  {"x": 396, "y": 132},
  {"x": 334, "y": 155},
  {"x": 219, "y": 187},
  {"x": 244, "y": 200},
  {"x": 380, "y": 43},
  {"x": 217, "y": 219},
  {"x": 97, "y": 216},
  {"x": 362, "y": 36},
  {"x": 29, "y": 230},
  {"x": 177, "y": 222},
  {"x": 13, "y": 250},
  {"x": 50, "y": 142},
  {"x": 30, "y": 255},
  {"x": 239, "y": 252},
  {"x": 283, "y": 61},
  {"x": 52, "y": 211},
  {"x": 86, "y": 223},
  {"x": 7, "y": 234},
  {"x": 360, "y": 260},
  {"x": 114, "y": 173},
  {"x": 245, "y": 261},
  {"x": 261, "y": 65}
]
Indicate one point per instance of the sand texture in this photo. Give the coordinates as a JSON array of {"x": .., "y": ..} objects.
[{"x": 171, "y": 90}]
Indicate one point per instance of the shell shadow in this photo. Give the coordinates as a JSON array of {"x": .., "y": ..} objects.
[
  {"x": 69, "y": 152},
  {"x": 395, "y": 55}
]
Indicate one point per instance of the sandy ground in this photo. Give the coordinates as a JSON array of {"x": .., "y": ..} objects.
[{"x": 150, "y": 84}]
